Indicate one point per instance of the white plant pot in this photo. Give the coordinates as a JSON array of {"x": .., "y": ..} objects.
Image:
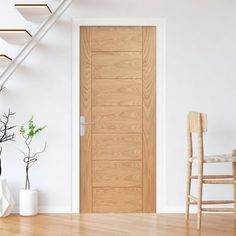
[
  {"x": 6, "y": 199},
  {"x": 28, "y": 202}
]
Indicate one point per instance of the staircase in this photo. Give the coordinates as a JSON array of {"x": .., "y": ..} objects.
[{"x": 40, "y": 14}]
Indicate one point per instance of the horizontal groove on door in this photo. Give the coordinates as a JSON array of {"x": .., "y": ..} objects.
[
  {"x": 117, "y": 173},
  {"x": 116, "y": 38},
  {"x": 117, "y": 119},
  {"x": 117, "y": 146},
  {"x": 108, "y": 78},
  {"x": 117, "y": 160},
  {"x": 117, "y": 65},
  {"x": 117, "y": 133},
  {"x": 115, "y": 105},
  {"x": 119, "y": 200},
  {"x": 114, "y": 51},
  {"x": 123, "y": 187},
  {"x": 117, "y": 92}
]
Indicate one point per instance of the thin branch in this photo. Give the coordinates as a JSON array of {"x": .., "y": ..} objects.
[
  {"x": 32, "y": 162},
  {"x": 30, "y": 158},
  {"x": 44, "y": 148},
  {"x": 6, "y": 133},
  {"x": 5, "y": 136},
  {"x": 22, "y": 152}
]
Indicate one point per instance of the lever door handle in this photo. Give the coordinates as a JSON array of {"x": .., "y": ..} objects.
[
  {"x": 88, "y": 123},
  {"x": 83, "y": 123}
]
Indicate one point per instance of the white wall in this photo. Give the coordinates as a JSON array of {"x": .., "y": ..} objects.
[{"x": 200, "y": 75}]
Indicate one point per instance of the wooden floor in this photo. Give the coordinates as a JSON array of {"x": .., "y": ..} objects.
[{"x": 117, "y": 224}]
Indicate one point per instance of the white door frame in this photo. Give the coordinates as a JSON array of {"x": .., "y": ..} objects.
[{"x": 160, "y": 109}]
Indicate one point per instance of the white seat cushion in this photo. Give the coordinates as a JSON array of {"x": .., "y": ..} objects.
[{"x": 217, "y": 158}]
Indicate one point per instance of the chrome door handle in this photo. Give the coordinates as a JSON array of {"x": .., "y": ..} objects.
[
  {"x": 83, "y": 123},
  {"x": 88, "y": 123}
]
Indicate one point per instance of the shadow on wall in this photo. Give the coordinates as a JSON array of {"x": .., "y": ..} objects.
[{"x": 97, "y": 3}]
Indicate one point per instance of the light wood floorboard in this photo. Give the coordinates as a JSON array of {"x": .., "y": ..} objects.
[{"x": 117, "y": 224}]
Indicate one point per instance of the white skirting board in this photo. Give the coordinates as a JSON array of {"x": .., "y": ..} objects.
[
  {"x": 67, "y": 209},
  {"x": 49, "y": 209}
]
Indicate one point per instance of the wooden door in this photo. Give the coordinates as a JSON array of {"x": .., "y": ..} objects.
[{"x": 117, "y": 92}]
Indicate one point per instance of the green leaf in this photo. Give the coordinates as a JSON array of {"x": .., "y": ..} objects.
[
  {"x": 32, "y": 128},
  {"x": 22, "y": 130}
]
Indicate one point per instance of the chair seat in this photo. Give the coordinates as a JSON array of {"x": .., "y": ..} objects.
[{"x": 217, "y": 158}]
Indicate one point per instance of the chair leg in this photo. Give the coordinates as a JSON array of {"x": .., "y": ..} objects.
[
  {"x": 234, "y": 174},
  {"x": 199, "y": 205},
  {"x": 188, "y": 188}
]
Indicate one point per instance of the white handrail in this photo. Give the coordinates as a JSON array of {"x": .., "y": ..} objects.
[{"x": 44, "y": 28}]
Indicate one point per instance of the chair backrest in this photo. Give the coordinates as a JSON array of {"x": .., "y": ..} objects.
[{"x": 196, "y": 123}]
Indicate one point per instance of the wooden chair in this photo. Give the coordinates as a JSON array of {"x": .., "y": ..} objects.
[{"x": 197, "y": 123}]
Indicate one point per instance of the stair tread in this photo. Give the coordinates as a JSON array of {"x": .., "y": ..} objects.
[
  {"x": 4, "y": 60},
  {"x": 15, "y": 36},
  {"x": 4, "y": 56},
  {"x": 34, "y": 12}
]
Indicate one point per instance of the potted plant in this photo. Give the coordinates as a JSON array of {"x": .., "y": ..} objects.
[
  {"x": 28, "y": 196},
  {"x": 6, "y": 135}
]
